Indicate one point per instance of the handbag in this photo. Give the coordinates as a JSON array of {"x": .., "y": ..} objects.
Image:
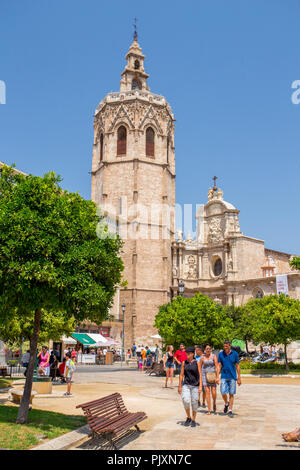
[{"x": 211, "y": 377}]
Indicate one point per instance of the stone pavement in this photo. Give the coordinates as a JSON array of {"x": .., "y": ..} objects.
[
  {"x": 261, "y": 413},
  {"x": 264, "y": 408}
]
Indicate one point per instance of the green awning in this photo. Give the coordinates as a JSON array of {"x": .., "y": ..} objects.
[{"x": 83, "y": 339}]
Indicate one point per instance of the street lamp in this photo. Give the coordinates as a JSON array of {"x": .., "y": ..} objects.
[
  {"x": 181, "y": 287},
  {"x": 123, "y": 306}
]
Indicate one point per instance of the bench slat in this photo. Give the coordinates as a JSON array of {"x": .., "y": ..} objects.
[{"x": 109, "y": 415}]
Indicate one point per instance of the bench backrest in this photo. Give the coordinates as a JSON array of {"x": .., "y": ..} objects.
[{"x": 107, "y": 407}]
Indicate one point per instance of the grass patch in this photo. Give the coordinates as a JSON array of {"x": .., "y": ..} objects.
[{"x": 40, "y": 423}]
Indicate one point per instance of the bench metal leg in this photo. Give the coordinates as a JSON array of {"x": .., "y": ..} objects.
[{"x": 109, "y": 437}]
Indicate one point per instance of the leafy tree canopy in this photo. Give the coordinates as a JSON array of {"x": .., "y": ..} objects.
[
  {"x": 196, "y": 320},
  {"x": 275, "y": 319},
  {"x": 50, "y": 255},
  {"x": 52, "y": 261},
  {"x": 295, "y": 262}
]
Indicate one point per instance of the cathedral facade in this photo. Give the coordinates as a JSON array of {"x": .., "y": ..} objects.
[{"x": 133, "y": 182}]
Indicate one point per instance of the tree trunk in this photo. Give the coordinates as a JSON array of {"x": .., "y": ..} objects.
[
  {"x": 286, "y": 359},
  {"x": 24, "y": 406},
  {"x": 246, "y": 343}
]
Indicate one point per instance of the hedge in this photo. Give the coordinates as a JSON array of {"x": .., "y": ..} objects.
[{"x": 268, "y": 366}]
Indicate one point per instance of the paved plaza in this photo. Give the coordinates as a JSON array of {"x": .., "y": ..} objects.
[{"x": 264, "y": 408}]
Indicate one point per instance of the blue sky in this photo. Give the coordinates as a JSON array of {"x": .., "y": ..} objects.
[{"x": 226, "y": 68}]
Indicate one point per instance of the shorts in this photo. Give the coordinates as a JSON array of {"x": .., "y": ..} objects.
[
  {"x": 170, "y": 366},
  {"x": 228, "y": 386},
  {"x": 68, "y": 379}
]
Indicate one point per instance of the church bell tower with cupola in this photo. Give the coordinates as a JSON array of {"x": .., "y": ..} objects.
[{"x": 133, "y": 182}]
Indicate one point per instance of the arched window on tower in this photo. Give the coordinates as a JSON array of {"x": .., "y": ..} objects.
[
  {"x": 150, "y": 142},
  {"x": 136, "y": 85},
  {"x": 101, "y": 147},
  {"x": 136, "y": 64},
  {"x": 122, "y": 141}
]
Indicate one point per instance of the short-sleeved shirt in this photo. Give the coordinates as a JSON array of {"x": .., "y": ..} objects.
[
  {"x": 198, "y": 358},
  {"x": 69, "y": 364},
  {"x": 143, "y": 353},
  {"x": 180, "y": 355},
  {"x": 228, "y": 364}
]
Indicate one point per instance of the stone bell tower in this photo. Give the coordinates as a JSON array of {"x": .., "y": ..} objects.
[{"x": 133, "y": 181}]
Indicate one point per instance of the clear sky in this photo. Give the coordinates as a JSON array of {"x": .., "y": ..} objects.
[{"x": 226, "y": 68}]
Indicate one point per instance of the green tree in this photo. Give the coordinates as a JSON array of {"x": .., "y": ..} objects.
[
  {"x": 193, "y": 320},
  {"x": 274, "y": 319},
  {"x": 242, "y": 323},
  {"x": 295, "y": 262},
  {"x": 52, "y": 327},
  {"x": 51, "y": 258}
]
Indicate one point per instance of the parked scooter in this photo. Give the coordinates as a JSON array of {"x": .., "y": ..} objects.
[{"x": 264, "y": 358}]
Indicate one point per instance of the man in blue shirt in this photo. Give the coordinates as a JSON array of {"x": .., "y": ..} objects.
[{"x": 229, "y": 363}]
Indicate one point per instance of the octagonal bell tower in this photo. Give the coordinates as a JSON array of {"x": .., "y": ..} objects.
[{"x": 133, "y": 181}]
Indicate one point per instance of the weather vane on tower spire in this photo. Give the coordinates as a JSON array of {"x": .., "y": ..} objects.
[{"x": 135, "y": 36}]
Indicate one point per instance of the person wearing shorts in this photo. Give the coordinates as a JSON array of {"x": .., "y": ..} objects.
[
  {"x": 209, "y": 364},
  {"x": 169, "y": 365},
  {"x": 190, "y": 375},
  {"x": 230, "y": 376},
  {"x": 68, "y": 373}
]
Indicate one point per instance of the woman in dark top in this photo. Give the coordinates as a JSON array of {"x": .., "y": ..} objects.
[
  {"x": 191, "y": 377},
  {"x": 169, "y": 364}
]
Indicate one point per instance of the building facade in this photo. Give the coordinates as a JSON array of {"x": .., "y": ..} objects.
[{"x": 133, "y": 182}]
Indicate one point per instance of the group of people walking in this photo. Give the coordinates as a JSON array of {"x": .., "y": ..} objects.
[{"x": 200, "y": 371}]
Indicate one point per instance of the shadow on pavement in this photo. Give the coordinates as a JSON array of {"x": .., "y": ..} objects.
[{"x": 100, "y": 443}]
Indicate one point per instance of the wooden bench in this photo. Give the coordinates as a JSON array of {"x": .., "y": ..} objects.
[
  {"x": 157, "y": 369},
  {"x": 109, "y": 417}
]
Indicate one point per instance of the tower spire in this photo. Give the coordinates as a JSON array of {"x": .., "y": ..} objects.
[{"x": 135, "y": 35}]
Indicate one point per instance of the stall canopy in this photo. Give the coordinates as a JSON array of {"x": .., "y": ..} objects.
[
  {"x": 84, "y": 339},
  {"x": 93, "y": 340},
  {"x": 97, "y": 338},
  {"x": 68, "y": 340}
]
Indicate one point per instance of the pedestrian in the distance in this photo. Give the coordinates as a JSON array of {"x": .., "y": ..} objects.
[
  {"x": 190, "y": 375},
  {"x": 169, "y": 365},
  {"x": 198, "y": 356},
  {"x": 25, "y": 361},
  {"x": 230, "y": 375},
  {"x": 43, "y": 359},
  {"x": 210, "y": 376},
  {"x": 180, "y": 356},
  {"x": 68, "y": 374}
]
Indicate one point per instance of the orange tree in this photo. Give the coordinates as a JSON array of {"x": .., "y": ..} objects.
[
  {"x": 196, "y": 320},
  {"x": 52, "y": 258},
  {"x": 274, "y": 319}
]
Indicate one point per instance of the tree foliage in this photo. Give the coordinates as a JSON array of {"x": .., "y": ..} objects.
[
  {"x": 52, "y": 327},
  {"x": 241, "y": 318},
  {"x": 295, "y": 262},
  {"x": 52, "y": 263},
  {"x": 196, "y": 320},
  {"x": 274, "y": 319}
]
